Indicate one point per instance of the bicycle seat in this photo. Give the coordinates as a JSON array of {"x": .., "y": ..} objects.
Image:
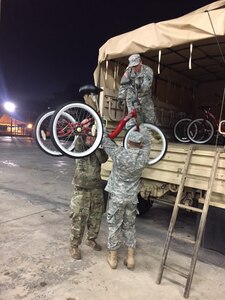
[{"x": 89, "y": 89}]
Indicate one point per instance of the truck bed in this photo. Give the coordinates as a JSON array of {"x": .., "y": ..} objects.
[{"x": 166, "y": 174}]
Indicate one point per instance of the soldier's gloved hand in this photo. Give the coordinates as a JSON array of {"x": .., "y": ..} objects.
[{"x": 120, "y": 102}]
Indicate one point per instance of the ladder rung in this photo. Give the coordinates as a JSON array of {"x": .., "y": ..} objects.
[
  {"x": 190, "y": 208},
  {"x": 176, "y": 271},
  {"x": 196, "y": 177},
  {"x": 187, "y": 240}
]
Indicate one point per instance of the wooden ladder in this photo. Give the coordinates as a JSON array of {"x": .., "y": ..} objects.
[{"x": 202, "y": 222}]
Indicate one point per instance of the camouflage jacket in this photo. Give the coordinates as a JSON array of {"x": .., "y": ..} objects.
[
  {"x": 88, "y": 170},
  {"x": 128, "y": 165},
  {"x": 142, "y": 80}
]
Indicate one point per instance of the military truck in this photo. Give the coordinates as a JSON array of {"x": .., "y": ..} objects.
[{"x": 187, "y": 57}]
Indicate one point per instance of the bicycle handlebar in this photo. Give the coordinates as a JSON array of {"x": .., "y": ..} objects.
[
  {"x": 205, "y": 107},
  {"x": 119, "y": 127}
]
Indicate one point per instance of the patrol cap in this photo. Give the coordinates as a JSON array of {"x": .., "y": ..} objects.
[
  {"x": 134, "y": 60},
  {"x": 135, "y": 137}
]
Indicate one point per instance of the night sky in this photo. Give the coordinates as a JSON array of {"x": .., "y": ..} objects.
[{"x": 49, "y": 48}]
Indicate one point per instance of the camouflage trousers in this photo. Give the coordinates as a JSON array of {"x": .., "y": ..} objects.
[
  {"x": 146, "y": 108},
  {"x": 87, "y": 207},
  {"x": 121, "y": 216}
]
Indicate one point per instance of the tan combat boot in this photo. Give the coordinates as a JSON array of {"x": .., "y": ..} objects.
[
  {"x": 129, "y": 260},
  {"x": 94, "y": 245},
  {"x": 112, "y": 259},
  {"x": 75, "y": 253}
]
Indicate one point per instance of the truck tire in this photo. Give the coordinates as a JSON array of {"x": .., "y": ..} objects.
[{"x": 143, "y": 205}]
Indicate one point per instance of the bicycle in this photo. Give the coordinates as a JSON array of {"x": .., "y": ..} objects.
[
  {"x": 202, "y": 130},
  {"x": 42, "y": 131},
  {"x": 87, "y": 122}
]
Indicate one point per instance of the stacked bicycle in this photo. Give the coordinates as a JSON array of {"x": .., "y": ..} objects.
[
  {"x": 199, "y": 131},
  {"x": 56, "y": 132}
]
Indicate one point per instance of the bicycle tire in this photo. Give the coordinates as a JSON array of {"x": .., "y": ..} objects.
[
  {"x": 158, "y": 142},
  {"x": 204, "y": 131},
  {"x": 64, "y": 138},
  {"x": 41, "y": 136},
  {"x": 180, "y": 130}
]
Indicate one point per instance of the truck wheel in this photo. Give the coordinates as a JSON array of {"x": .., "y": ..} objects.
[{"x": 143, "y": 205}]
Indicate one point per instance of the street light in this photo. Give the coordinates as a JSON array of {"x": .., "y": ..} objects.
[{"x": 10, "y": 107}]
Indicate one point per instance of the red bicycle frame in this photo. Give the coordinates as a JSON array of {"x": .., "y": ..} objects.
[
  {"x": 69, "y": 128},
  {"x": 119, "y": 127},
  {"x": 210, "y": 116}
]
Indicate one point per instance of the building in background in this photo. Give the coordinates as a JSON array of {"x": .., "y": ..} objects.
[{"x": 12, "y": 126}]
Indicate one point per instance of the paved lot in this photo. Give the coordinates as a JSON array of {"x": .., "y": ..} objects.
[{"x": 34, "y": 227}]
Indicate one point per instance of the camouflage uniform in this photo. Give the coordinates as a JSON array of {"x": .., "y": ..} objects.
[
  {"x": 87, "y": 203},
  {"x": 136, "y": 89},
  {"x": 123, "y": 186}
]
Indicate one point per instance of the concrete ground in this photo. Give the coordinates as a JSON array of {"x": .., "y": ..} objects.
[{"x": 34, "y": 228}]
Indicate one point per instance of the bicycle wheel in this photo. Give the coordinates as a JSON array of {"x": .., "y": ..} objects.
[
  {"x": 158, "y": 142},
  {"x": 200, "y": 131},
  {"x": 180, "y": 130},
  {"x": 42, "y": 134},
  {"x": 86, "y": 123}
]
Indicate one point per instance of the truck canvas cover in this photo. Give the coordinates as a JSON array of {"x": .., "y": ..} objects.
[{"x": 195, "y": 41}]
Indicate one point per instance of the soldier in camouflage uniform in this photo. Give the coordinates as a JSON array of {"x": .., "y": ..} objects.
[
  {"x": 123, "y": 186},
  {"x": 136, "y": 89},
  {"x": 87, "y": 203}
]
